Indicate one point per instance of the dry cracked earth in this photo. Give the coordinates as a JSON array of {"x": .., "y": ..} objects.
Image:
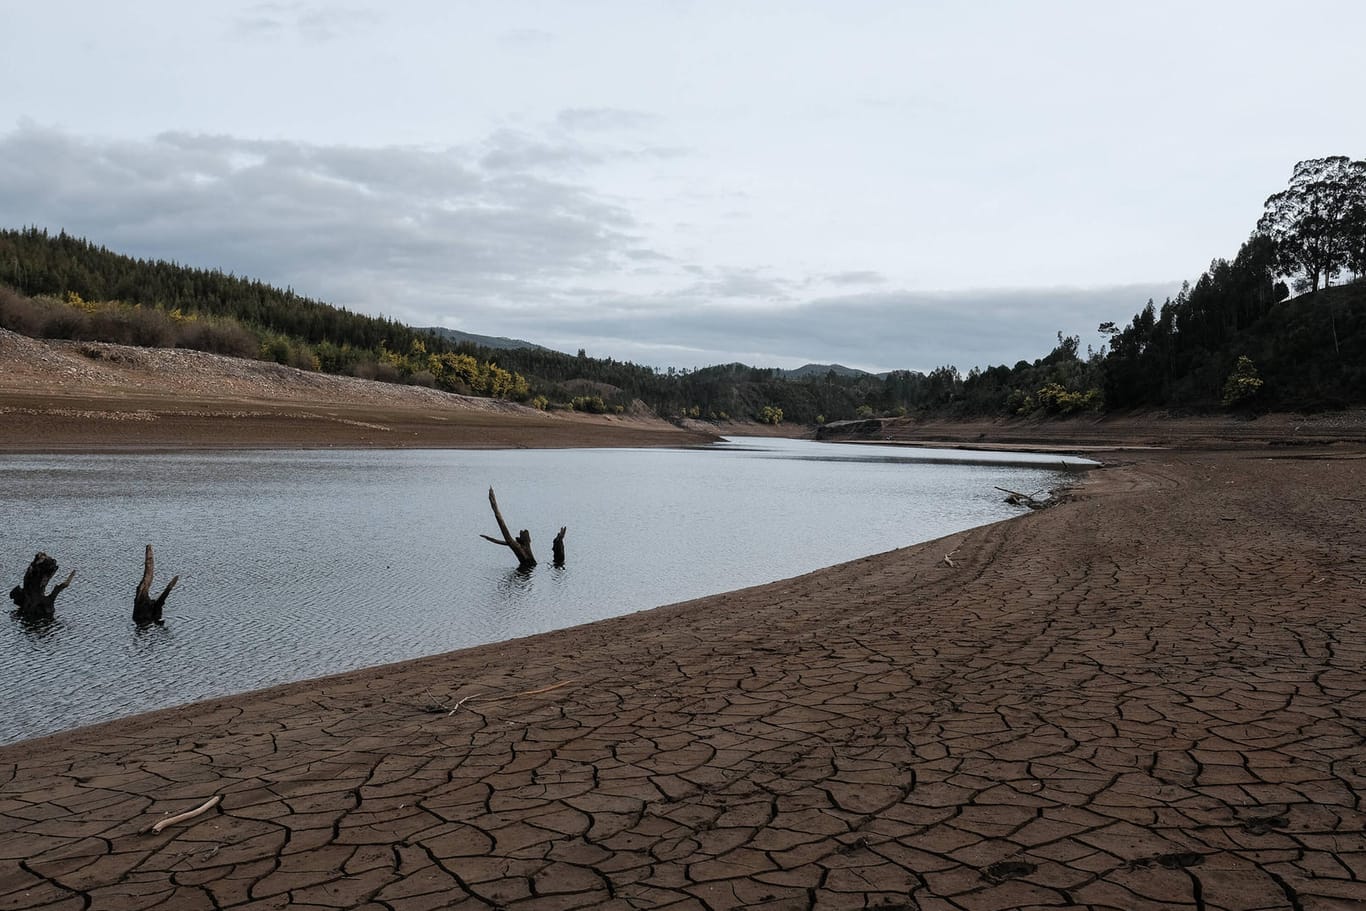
[{"x": 1152, "y": 696}]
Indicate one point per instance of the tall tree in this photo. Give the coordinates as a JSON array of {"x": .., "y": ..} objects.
[{"x": 1315, "y": 221}]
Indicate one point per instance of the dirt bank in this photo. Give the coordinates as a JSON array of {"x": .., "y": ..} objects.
[
  {"x": 89, "y": 396},
  {"x": 1151, "y": 696}
]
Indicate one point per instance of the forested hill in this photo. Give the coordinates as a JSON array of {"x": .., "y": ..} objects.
[
  {"x": 77, "y": 289},
  {"x": 1233, "y": 339},
  {"x": 36, "y": 263}
]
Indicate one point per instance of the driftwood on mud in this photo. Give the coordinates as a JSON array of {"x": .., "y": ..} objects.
[
  {"x": 200, "y": 810},
  {"x": 33, "y": 600},
  {"x": 520, "y": 545},
  {"x": 1016, "y": 498},
  {"x": 147, "y": 609}
]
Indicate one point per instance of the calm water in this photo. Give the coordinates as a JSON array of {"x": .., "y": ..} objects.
[{"x": 299, "y": 564}]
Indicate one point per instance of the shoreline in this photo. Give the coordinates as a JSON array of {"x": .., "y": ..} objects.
[
  {"x": 1083, "y": 481},
  {"x": 474, "y": 615},
  {"x": 44, "y": 422},
  {"x": 58, "y": 396},
  {"x": 1101, "y": 702}
]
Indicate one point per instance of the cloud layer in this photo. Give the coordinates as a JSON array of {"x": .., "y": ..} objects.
[{"x": 507, "y": 236}]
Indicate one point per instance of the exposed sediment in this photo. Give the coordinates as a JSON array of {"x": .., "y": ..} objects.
[{"x": 94, "y": 396}]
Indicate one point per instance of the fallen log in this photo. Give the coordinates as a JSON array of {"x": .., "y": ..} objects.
[
  {"x": 147, "y": 609},
  {"x": 33, "y": 600},
  {"x": 520, "y": 545}
]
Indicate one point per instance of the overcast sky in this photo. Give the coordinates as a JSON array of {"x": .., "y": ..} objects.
[{"x": 892, "y": 184}]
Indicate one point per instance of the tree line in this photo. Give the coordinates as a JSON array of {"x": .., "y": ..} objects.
[{"x": 1237, "y": 323}]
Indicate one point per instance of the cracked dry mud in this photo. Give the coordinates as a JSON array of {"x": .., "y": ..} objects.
[{"x": 1151, "y": 697}]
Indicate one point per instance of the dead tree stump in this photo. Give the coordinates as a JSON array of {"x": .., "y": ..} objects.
[
  {"x": 557, "y": 547},
  {"x": 520, "y": 545},
  {"x": 147, "y": 609},
  {"x": 32, "y": 597}
]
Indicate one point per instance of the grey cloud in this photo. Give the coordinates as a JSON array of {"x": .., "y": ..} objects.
[
  {"x": 525, "y": 37},
  {"x": 854, "y": 277},
  {"x": 315, "y": 22},
  {"x": 603, "y": 119},
  {"x": 512, "y": 150},
  {"x": 519, "y": 150},
  {"x": 644, "y": 256},
  {"x": 432, "y": 236},
  {"x": 396, "y": 229},
  {"x": 257, "y": 25},
  {"x": 730, "y": 283},
  {"x": 324, "y": 23},
  {"x": 876, "y": 331}
]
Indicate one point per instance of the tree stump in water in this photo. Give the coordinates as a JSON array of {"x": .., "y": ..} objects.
[
  {"x": 520, "y": 545},
  {"x": 557, "y": 547},
  {"x": 147, "y": 609},
  {"x": 32, "y": 597}
]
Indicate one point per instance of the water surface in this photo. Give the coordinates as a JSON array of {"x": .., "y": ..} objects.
[{"x": 299, "y": 564}]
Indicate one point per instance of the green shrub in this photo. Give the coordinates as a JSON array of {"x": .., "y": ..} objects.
[
  {"x": 591, "y": 404},
  {"x": 1243, "y": 384},
  {"x": 1054, "y": 398}
]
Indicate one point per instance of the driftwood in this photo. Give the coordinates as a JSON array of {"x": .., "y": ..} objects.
[
  {"x": 557, "y": 547},
  {"x": 32, "y": 597},
  {"x": 147, "y": 609},
  {"x": 200, "y": 810},
  {"x": 520, "y": 545},
  {"x": 1016, "y": 498},
  {"x": 437, "y": 708},
  {"x": 535, "y": 692}
]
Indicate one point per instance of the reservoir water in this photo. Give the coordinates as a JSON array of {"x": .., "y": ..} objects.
[{"x": 298, "y": 564}]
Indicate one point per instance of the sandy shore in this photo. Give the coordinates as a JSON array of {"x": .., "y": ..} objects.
[{"x": 1150, "y": 696}]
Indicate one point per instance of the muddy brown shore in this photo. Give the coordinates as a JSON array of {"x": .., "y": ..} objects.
[{"x": 1150, "y": 696}]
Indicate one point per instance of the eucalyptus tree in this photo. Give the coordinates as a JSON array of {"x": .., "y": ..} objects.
[{"x": 1318, "y": 222}]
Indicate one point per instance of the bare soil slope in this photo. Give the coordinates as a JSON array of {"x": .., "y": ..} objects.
[{"x": 91, "y": 395}]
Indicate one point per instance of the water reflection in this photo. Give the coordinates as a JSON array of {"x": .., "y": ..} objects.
[
  {"x": 37, "y": 628},
  {"x": 147, "y": 636},
  {"x": 516, "y": 583}
]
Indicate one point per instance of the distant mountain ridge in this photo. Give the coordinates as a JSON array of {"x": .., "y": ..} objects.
[
  {"x": 807, "y": 371},
  {"x": 501, "y": 343}
]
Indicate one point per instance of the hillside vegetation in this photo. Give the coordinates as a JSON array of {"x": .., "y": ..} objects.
[{"x": 1233, "y": 339}]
